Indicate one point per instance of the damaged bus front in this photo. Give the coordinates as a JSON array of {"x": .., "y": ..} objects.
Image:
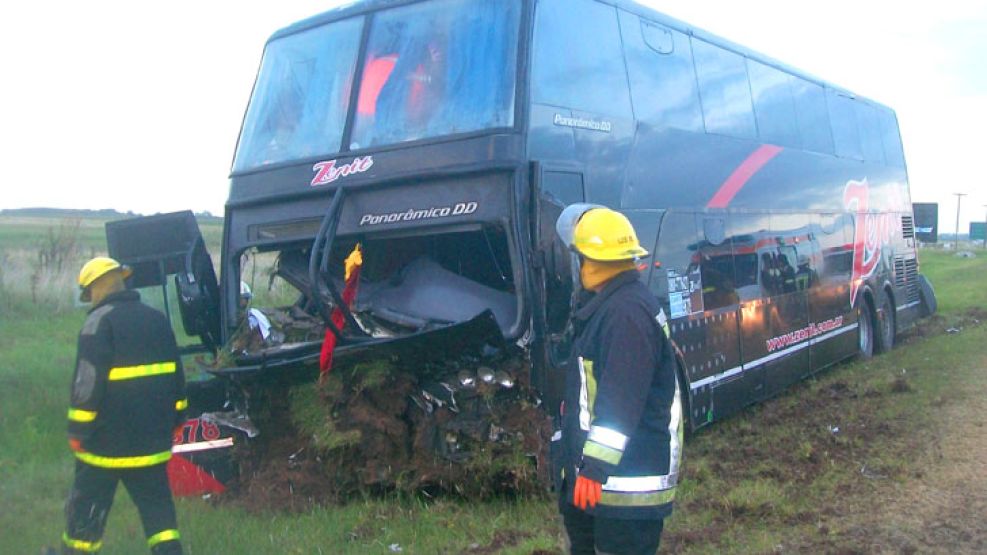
[
  {"x": 391, "y": 126},
  {"x": 391, "y": 129}
]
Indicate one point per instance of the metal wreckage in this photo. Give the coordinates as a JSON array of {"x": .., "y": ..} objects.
[{"x": 398, "y": 378}]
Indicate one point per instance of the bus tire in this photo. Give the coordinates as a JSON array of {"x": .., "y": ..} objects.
[
  {"x": 884, "y": 331},
  {"x": 927, "y": 295},
  {"x": 865, "y": 326},
  {"x": 685, "y": 404}
]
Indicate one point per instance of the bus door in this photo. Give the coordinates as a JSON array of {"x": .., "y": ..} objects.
[
  {"x": 786, "y": 267},
  {"x": 167, "y": 246},
  {"x": 556, "y": 185}
]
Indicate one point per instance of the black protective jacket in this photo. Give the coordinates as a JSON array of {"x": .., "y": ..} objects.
[
  {"x": 622, "y": 418},
  {"x": 128, "y": 392}
]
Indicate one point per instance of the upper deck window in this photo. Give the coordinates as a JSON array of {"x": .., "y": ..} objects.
[
  {"x": 578, "y": 62},
  {"x": 774, "y": 106},
  {"x": 662, "y": 75},
  {"x": 724, "y": 90},
  {"x": 299, "y": 103},
  {"x": 431, "y": 69},
  {"x": 438, "y": 68},
  {"x": 846, "y": 134}
]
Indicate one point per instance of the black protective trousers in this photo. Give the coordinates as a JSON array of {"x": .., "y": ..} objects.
[
  {"x": 89, "y": 503},
  {"x": 589, "y": 535}
]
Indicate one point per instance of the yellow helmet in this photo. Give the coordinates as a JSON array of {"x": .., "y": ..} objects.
[
  {"x": 606, "y": 235},
  {"x": 95, "y": 269}
]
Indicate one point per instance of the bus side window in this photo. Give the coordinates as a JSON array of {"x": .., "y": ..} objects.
[
  {"x": 579, "y": 70},
  {"x": 846, "y": 134},
  {"x": 774, "y": 106},
  {"x": 835, "y": 237},
  {"x": 890, "y": 139},
  {"x": 870, "y": 132},
  {"x": 748, "y": 237},
  {"x": 663, "y": 78},
  {"x": 813, "y": 118},
  {"x": 716, "y": 264},
  {"x": 797, "y": 255},
  {"x": 677, "y": 282},
  {"x": 565, "y": 187},
  {"x": 724, "y": 90}
]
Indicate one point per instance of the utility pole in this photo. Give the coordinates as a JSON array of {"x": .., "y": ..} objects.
[
  {"x": 956, "y": 238},
  {"x": 985, "y": 230}
]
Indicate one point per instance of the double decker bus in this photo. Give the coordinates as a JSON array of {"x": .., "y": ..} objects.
[{"x": 446, "y": 136}]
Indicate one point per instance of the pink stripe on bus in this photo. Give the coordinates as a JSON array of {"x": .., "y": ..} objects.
[{"x": 742, "y": 175}]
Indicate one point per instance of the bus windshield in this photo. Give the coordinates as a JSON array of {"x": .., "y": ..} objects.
[{"x": 431, "y": 69}]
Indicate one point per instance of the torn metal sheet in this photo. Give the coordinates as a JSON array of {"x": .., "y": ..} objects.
[
  {"x": 232, "y": 419},
  {"x": 435, "y": 344}
]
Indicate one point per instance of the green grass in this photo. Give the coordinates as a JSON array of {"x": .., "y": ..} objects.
[{"x": 767, "y": 477}]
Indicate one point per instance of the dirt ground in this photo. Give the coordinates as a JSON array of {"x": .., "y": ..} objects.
[
  {"x": 936, "y": 503},
  {"x": 942, "y": 507}
]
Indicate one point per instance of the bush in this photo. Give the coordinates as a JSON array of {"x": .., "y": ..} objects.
[{"x": 42, "y": 275}]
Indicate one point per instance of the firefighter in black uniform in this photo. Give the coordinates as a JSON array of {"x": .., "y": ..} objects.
[
  {"x": 621, "y": 435},
  {"x": 128, "y": 394}
]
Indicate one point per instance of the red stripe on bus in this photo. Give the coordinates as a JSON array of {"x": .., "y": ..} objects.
[{"x": 742, "y": 175}]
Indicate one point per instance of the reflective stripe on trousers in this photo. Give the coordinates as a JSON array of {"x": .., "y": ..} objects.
[
  {"x": 82, "y": 416},
  {"x": 80, "y": 545},
  {"x": 163, "y": 536}
]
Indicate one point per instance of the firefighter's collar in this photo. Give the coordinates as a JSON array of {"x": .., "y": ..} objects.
[
  {"x": 125, "y": 295},
  {"x": 625, "y": 278}
]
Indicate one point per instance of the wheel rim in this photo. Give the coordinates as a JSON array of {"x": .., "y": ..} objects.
[
  {"x": 866, "y": 330},
  {"x": 887, "y": 323}
]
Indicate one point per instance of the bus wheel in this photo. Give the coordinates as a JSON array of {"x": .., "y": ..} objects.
[
  {"x": 865, "y": 322},
  {"x": 884, "y": 338}
]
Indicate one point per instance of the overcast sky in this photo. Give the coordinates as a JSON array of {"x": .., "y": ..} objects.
[{"x": 137, "y": 105}]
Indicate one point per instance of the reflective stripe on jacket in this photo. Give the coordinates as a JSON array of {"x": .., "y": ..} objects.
[
  {"x": 128, "y": 390},
  {"x": 623, "y": 414}
]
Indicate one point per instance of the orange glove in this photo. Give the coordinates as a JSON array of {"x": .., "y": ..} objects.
[
  {"x": 75, "y": 445},
  {"x": 586, "y": 492}
]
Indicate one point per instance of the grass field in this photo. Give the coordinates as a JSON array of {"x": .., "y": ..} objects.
[{"x": 801, "y": 472}]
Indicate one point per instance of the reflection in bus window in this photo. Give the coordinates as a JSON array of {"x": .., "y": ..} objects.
[
  {"x": 299, "y": 104},
  {"x": 846, "y": 135},
  {"x": 579, "y": 70},
  {"x": 748, "y": 234},
  {"x": 813, "y": 118},
  {"x": 891, "y": 139},
  {"x": 565, "y": 187},
  {"x": 725, "y": 91},
  {"x": 870, "y": 132},
  {"x": 797, "y": 259},
  {"x": 716, "y": 265},
  {"x": 662, "y": 75},
  {"x": 835, "y": 248},
  {"x": 773, "y": 105},
  {"x": 437, "y": 68},
  {"x": 678, "y": 281}
]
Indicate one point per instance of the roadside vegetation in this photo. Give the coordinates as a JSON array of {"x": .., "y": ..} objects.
[{"x": 822, "y": 468}]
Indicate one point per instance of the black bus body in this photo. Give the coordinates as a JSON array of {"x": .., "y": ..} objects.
[{"x": 446, "y": 136}]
